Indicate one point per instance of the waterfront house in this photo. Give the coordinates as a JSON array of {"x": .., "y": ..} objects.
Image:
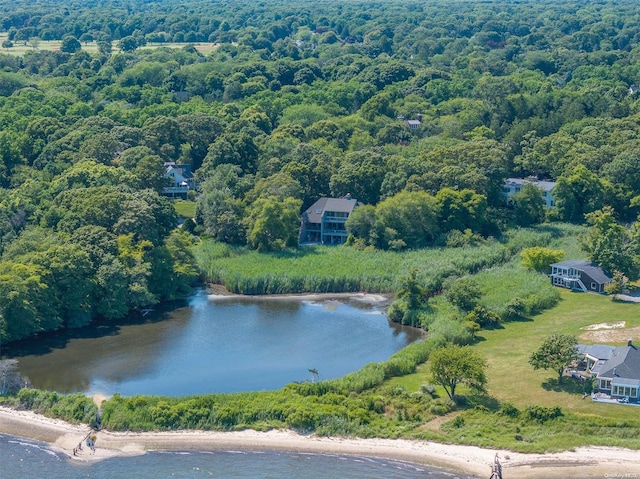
[
  {"x": 616, "y": 369},
  {"x": 324, "y": 221},
  {"x": 579, "y": 275}
]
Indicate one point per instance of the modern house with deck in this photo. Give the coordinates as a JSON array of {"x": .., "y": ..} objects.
[
  {"x": 579, "y": 275},
  {"x": 324, "y": 221}
]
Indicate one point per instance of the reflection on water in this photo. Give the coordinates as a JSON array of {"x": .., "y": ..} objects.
[{"x": 207, "y": 346}]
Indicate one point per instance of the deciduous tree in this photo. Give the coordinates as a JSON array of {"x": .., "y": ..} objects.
[
  {"x": 610, "y": 244},
  {"x": 528, "y": 206},
  {"x": 555, "y": 353},
  {"x": 539, "y": 258},
  {"x": 273, "y": 224},
  {"x": 70, "y": 44},
  {"x": 453, "y": 365}
]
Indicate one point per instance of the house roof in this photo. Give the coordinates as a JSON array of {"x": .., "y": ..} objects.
[
  {"x": 183, "y": 170},
  {"x": 624, "y": 362},
  {"x": 339, "y": 205},
  {"x": 592, "y": 269},
  {"x": 542, "y": 184},
  {"x": 597, "y": 351},
  {"x": 414, "y": 122}
]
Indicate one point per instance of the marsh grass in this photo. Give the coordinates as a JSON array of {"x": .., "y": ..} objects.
[
  {"x": 341, "y": 269},
  {"x": 501, "y": 284}
]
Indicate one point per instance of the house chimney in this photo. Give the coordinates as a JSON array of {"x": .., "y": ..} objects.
[
  {"x": 614, "y": 372},
  {"x": 629, "y": 342}
]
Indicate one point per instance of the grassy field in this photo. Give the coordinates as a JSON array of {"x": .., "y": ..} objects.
[
  {"x": 186, "y": 209},
  {"x": 507, "y": 350},
  {"x": 512, "y": 382},
  {"x": 19, "y": 48}
]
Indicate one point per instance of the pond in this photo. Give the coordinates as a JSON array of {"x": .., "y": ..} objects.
[{"x": 211, "y": 345}]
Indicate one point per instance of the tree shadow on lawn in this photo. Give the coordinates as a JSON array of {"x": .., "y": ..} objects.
[
  {"x": 483, "y": 400},
  {"x": 569, "y": 385},
  {"x": 520, "y": 319}
]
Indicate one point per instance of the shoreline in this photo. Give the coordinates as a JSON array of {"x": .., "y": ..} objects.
[
  {"x": 597, "y": 462},
  {"x": 220, "y": 294}
]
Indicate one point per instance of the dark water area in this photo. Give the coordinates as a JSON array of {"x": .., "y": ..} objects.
[
  {"x": 22, "y": 458},
  {"x": 207, "y": 346}
]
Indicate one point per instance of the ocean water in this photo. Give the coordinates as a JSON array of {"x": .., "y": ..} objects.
[{"x": 26, "y": 459}]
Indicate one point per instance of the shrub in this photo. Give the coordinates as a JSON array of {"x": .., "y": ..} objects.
[
  {"x": 428, "y": 388},
  {"x": 508, "y": 410},
  {"x": 543, "y": 414},
  {"x": 440, "y": 408},
  {"x": 396, "y": 311},
  {"x": 458, "y": 422},
  {"x": 303, "y": 419}
]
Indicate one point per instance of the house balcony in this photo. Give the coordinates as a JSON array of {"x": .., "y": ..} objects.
[
  {"x": 334, "y": 219},
  {"x": 568, "y": 280},
  {"x": 175, "y": 191}
]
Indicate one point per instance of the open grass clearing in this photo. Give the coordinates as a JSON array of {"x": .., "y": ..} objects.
[
  {"x": 186, "y": 209},
  {"x": 20, "y": 47}
]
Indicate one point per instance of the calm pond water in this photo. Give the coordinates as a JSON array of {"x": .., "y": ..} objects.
[
  {"x": 211, "y": 346},
  {"x": 22, "y": 459}
]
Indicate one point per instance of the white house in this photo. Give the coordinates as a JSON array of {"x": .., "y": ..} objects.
[{"x": 515, "y": 185}]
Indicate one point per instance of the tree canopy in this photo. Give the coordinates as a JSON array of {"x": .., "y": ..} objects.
[
  {"x": 273, "y": 106},
  {"x": 453, "y": 365},
  {"x": 555, "y": 353}
]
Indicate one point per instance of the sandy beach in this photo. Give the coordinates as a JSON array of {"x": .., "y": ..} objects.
[
  {"x": 220, "y": 294},
  {"x": 597, "y": 462}
]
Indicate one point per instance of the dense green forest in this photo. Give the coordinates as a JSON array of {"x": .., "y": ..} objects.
[{"x": 298, "y": 101}]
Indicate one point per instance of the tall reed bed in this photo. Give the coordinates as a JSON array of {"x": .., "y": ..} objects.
[
  {"x": 512, "y": 286},
  {"x": 323, "y": 269}
]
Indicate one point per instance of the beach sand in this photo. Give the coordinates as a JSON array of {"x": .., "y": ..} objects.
[
  {"x": 596, "y": 462},
  {"x": 219, "y": 294}
]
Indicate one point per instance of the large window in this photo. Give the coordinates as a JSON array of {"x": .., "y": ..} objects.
[{"x": 627, "y": 391}]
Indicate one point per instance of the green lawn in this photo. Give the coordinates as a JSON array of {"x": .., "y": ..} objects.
[
  {"x": 186, "y": 209},
  {"x": 507, "y": 350}
]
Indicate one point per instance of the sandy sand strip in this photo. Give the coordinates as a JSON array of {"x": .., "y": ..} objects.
[
  {"x": 597, "y": 462},
  {"x": 363, "y": 297}
]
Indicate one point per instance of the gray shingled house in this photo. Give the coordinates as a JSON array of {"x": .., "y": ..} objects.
[
  {"x": 579, "y": 275},
  {"x": 324, "y": 221},
  {"x": 617, "y": 369},
  {"x": 179, "y": 180}
]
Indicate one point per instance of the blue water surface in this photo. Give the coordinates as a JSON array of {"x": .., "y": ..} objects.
[{"x": 22, "y": 459}]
